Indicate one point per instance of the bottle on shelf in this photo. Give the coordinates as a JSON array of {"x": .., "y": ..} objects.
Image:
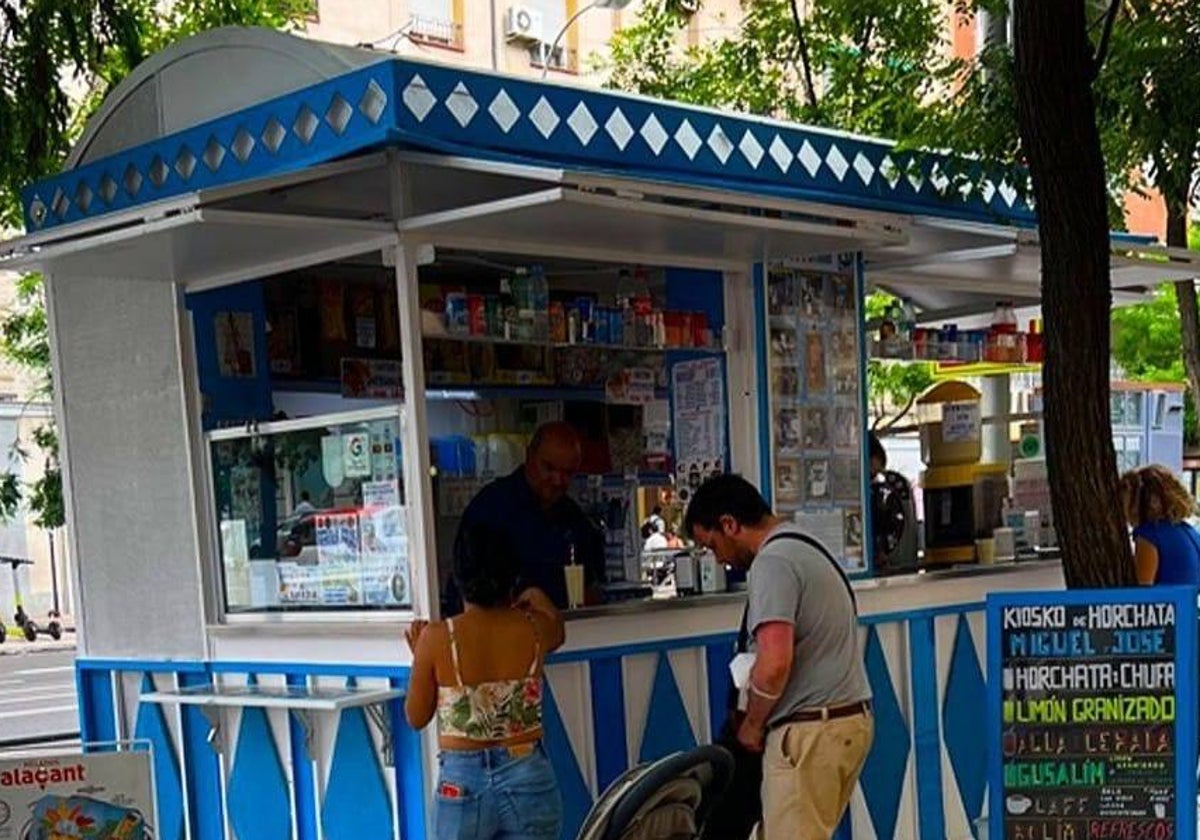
[
  {"x": 508, "y": 310},
  {"x": 523, "y": 293},
  {"x": 539, "y": 288}
]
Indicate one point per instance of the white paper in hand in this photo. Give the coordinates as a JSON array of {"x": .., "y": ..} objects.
[{"x": 739, "y": 669}]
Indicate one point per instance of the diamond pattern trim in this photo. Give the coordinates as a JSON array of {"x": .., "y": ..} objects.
[
  {"x": 582, "y": 124},
  {"x": 619, "y": 129},
  {"x": 751, "y": 149},
  {"x": 273, "y": 135},
  {"x": 461, "y": 105},
  {"x": 243, "y": 145},
  {"x": 418, "y": 98},
  {"x": 306, "y": 124},
  {"x": 882, "y": 777},
  {"x": 654, "y": 134},
  {"x": 688, "y": 139},
  {"x": 504, "y": 111},
  {"x": 159, "y": 171},
  {"x": 373, "y": 102},
  {"x": 441, "y": 109},
  {"x": 960, "y": 731},
  {"x": 781, "y": 154},
  {"x": 544, "y": 118},
  {"x": 720, "y": 143}
]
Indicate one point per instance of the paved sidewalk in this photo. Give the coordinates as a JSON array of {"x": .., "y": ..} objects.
[{"x": 18, "y": 646}]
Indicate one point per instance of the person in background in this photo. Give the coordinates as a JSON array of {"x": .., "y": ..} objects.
[
  {"x": 305, "y": 506},
  {"x": 481, "y": 674},
  {"x": 1166, "y": 546},
  {"x": 547, "y": 527},
  {"x": 809, "y": 703}
]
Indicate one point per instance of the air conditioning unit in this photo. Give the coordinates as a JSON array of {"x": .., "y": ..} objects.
[{"x": 523, "y": 23}]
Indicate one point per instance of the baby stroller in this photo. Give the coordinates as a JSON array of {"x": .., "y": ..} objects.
[{"x": 668, "y": 799}]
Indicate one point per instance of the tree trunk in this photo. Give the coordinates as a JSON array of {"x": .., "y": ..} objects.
[
  {"x": 1185, "y": 299},
  {"x": 1056, "y": 116}
]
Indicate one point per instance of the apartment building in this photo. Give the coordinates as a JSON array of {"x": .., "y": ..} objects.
[{"x": 517, "y": 37}]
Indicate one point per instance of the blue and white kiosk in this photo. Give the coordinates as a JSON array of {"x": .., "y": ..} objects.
[{"x": 248, "y": 256}]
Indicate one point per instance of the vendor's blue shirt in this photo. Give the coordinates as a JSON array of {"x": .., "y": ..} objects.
[
  {"x": 542, "y": 538},
  {"x": 1178, "y": 546}
]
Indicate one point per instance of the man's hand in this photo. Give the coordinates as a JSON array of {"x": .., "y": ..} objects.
[
  {"x": 751, "y": 736},
  {"x": 413, "y": 634}
]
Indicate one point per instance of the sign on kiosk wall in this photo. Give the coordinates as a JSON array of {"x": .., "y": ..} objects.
[
  {"x": 1092, "y": 714},
  {"x": 66, "y": 795}
]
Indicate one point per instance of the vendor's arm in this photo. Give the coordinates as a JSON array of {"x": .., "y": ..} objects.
[
  {"x": 1145, "y": 561},
  {"x": 421, "y": 700}
]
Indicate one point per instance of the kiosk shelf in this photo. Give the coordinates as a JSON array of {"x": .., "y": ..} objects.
[{"x": 300, "y": 701}]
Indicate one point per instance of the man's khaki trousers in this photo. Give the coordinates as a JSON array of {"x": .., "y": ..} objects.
[{"x": 809, "y": 773}]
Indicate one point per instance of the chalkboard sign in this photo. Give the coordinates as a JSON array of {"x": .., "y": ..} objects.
[{"x": 1092, "y": 715}]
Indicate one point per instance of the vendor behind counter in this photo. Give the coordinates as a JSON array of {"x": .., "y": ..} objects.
[{"x": 531, "y": 505}]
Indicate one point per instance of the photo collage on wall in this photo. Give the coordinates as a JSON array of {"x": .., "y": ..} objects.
[{"x": 816, "y": 405}]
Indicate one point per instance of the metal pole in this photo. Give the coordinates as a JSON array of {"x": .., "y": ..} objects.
[
  {"x": 554, "y": 44},
  {"x": 53, "y": 573}
]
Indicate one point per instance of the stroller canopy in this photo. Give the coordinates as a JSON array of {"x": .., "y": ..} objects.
[{"x": 668, "y": 799}]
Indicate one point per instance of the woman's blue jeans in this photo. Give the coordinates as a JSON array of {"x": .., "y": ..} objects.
[{"x": 490, "y": 795}]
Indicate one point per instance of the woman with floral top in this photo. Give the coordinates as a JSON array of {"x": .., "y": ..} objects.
[{"x": 480, "y": 673}]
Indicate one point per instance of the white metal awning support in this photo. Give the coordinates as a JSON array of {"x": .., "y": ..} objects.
[
  {"x": 202, "y": 247},
  {"x": 567, "y": 222}
]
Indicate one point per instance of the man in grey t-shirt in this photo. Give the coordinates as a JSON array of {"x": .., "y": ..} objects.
[{"x": 809, "y": 706}]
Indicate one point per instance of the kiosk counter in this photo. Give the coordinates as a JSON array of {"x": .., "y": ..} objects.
[{"x": 297, "y": 323}]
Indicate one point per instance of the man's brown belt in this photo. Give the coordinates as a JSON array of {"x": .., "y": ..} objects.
[{"x": 862, "y": 707}]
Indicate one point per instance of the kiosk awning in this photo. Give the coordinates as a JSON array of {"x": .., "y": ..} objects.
[{"x": 953, "y": 269}]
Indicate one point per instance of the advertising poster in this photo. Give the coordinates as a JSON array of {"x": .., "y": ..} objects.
[
  {"x": 699, "y": 422},
  {"x": 384, "y": 538},
  {"x": 338, "y": 558},
  {"x": 385, "y": 446},
  {"x": 357, "y": 454},
  {"x": 235, "y": 344},
  {"x": 64, "y": 796}
]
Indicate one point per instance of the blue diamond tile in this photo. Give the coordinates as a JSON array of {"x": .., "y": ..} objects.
[
  {"x": 965, "y": 696},
  {"x": 150, "y": 725},
  {"x": 258, "y": 801},
  {"x": 668, "y": 729},
  {"x": 883, "y": 774},
  {"x": 356, "y": 803},
  {"x": 576, "y": 798}
]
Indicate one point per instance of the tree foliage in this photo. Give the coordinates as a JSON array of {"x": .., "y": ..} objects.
[
  {"x": 58, "y": 59},
  {"x": 868, "y": 66}
]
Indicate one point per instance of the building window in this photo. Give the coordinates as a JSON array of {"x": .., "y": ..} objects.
[
  {"x": 565, "y": 56},
  {"x": 436, "y": 22}
]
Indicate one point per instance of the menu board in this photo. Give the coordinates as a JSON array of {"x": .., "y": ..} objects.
[
  {"x": 817, "y": 413},
  {"x": 1092, "y": 714}
]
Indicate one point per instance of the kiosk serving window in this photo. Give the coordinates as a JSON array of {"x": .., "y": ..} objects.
[
  {"x": 301, "y": 400},
  {"x": 311, "y": 514}
]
